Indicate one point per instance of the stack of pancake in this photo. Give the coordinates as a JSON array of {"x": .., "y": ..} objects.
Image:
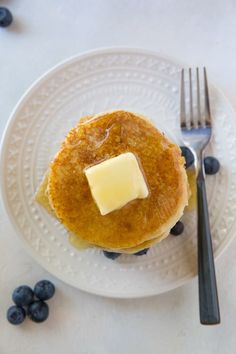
[{"x": 66, "y": 194}]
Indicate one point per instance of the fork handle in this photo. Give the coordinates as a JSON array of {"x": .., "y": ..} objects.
[{"x": 208, "y": 297}]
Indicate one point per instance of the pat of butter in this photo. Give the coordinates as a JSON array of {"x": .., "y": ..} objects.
[{"x": 115, "y": 182}]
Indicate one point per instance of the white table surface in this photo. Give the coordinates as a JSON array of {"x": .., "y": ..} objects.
[{"x": 45, "y": 32}]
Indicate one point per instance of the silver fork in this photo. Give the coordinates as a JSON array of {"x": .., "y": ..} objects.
[{"x": 196, "y": 132}]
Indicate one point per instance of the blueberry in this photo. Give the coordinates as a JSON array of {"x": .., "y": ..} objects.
[
  {"x": 111, "y": 255},
  {"x": 44, "y": 290},
  {"x": 5, "y": 17},
  {"x": 177, "y": 229},
  {"x": 142, "y": 252},
  {"x": 15, "y": 315},
  {"x": 38, "y": 311},
  {"x": 23, "y": 295},
  {"x": 211, "y": 165},
  {"x": 188, "y": 155}
]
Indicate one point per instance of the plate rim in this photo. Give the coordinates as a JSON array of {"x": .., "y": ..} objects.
[{"x": 6, "y": 131}]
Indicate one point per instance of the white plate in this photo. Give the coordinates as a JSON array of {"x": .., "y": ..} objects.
[{"x": 139, "y": 81}]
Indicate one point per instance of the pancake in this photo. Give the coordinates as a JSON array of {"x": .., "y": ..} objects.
[
  {"x": 42, "y": 198},
  {"x": 146, "y": 244},
  {"x": 99, "y": 138}
]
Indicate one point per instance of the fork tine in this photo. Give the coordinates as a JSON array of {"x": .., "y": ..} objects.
[
  {"x": 182, "y": 102},
  {"x": 198, "y": 99},
  {"x": 190, "y": 97},
  {"x": 207, "y": 101}
]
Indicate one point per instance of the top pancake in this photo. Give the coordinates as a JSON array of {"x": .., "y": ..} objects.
[
  {"x": 41, "y": 197},
  {"x": 100, "y": 138}
]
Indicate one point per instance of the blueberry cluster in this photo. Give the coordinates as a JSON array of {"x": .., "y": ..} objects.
[
  {"x": 211, "y": 164},
  {"x": 31, "y": 302}
]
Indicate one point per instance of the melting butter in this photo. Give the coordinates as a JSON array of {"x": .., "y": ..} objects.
[
  {"x": 116, "y": 181},
  {"x": 78, "y": 242},
  {"x": 192, "y": 203}
]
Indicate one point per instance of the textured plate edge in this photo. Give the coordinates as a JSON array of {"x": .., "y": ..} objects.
[{"x": 6, "y": 131}]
